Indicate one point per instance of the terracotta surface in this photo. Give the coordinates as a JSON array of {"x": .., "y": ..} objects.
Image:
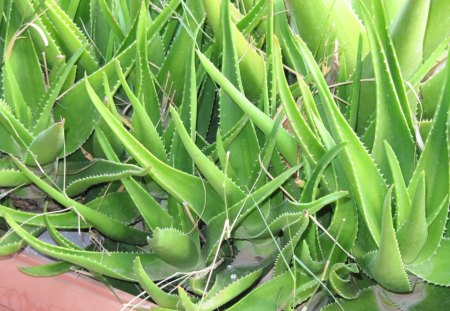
[{"x": 69, "y": 291}]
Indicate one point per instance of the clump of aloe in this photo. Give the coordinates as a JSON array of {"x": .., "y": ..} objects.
[{"x": 231, "y": 155}]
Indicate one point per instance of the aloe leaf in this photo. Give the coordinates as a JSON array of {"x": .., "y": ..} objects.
[
  {"x": 11, "y": 243},
  {"x": 403, "y": 201},
  {"x": 309, "y": 143},
  {"x": 385, "y": 264},
  {"x": 47, "y": 146},
  {"x": 171, "y": 73},
  {"x": 75, "y": 101},
  {"x": 112, "y": 22},
  {"x": 9, "y": 144},
  {"x": 392, "y": 61},
  {"x": 392, "y": 116},
  {"x": 116, "y": 205},
  {"x": 288, "y": 214},
  {"x": 51, "y": 48},
  {"x": 143, "y": 128},
  {"x": 227, "y": 138},
  {"x": 253, "y": 17},
  {"x": 434, "y": 161},
  {"x": 229, "y": 292},
  {"x": 179, "y": 157},
  {"x": 12, "y": 178},
  {"x": 48, "y": 270},
  {"x": 310, "y": 191},
  {"x": 48, "y": 100},
  {"x": 82, "y": 175},
  {"x": 411, "y": 22},
  {"x": 425, "y": 297},
  {"x": 105, "y": 224},
  {"x": 437, "y": 26},
  {"x": 282, "y": 263},
  {"x": 66, "y": 32},
  {"x": 262, "y": 297},
  {"x": 113, "y": 264},
  {"x": 242, "y": 209},
  {"x": 356, "y": 90},
  {"x": 186, "y": 301},
  {"x": 162, "y": 298},
  {"x": 285, "y": 142},
  {"x": 341, "y": 281},
  {"x": 23, "y": 81},
  {"x": 320, "y": 23},
  {"x": 22, "y": 137},
  {"x": 251, "y": 63},
  {"x": 218, "y": 180},
  {"x": 175, "y": 248},
  {"x": 286, "y": 38},
  {"x": 186, "y": 188},
  {"x": 66, "y": 220},
  {"x": 152, "y": 212},
  {"x": 435, "y": 270},
  {"x": 412, "y": 236},
  {"x": 230, "y": 113},
  {"x": 145, "y": 88},
  {"x": 363, "y": 179}
]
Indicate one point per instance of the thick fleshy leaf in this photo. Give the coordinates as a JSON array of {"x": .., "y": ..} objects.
[
  {"x": 175, "y": 248},
  {"x": 103, "y": 222},
  {"x": 162, "y": 298},
  {"x": 436, "y": 269},
  {"x": 392, "y": 115},
  {"x": 186, "y": 188},
  {"x": 412, "y": 235},
  {"x": 240, "y": 162},
  {"x": 434, "y": 161},
  {"x": 363, "y": 178},
  {"x": 113, "y": 264},
  {"x": 385, "y": 264}
]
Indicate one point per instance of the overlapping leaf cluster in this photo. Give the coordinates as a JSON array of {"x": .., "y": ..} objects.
[{"x": 245, "y": 155}]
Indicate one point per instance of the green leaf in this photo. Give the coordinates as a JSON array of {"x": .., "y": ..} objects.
[
  {"x": 436, "y": 269},
  {"x": 186, "y": 188},
  {"x": 11, "y": 242},
  {"x": 219, "y": 181},
  {"x": 309, "y": 143},
  {"x": 262, "y": 297},
  {"x": 393, "y": 117},
  {"x": 65, "y": 32},
  {"x": 413, "y": 234},
  {"x": 162, "y": 298},
  {"x": 355, "y": 164},
  {"x": 79, "y": 176},
  {"x": 385, "y": 264},
  {"x": 48, "y": 270},
  {"x": 411, "y": 22},
  {"x": 47, "y": 146},
  {"x": 113, "y": 264},
  {"x": 64, "y": 220},
  {"x": 403, "y": 201},
  {"x": 102, "y": 222},
  {"x": 241, "y": 162},
  {"x": 434, "y": 161},
  {"x": 250, "y": 61},
  {"x": 341, "y": 280},
  {"x": 229, "y": 292},
  {"x": 285, "y": 142},
  {"x": 12, "y": 178},
  {"x": 143, "y": 128},
  {"x": 176, "y": 248},
  {"x": 152, "y": 212}
]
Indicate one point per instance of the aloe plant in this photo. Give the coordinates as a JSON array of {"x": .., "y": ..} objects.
[{"x": 238, "y": 155}]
